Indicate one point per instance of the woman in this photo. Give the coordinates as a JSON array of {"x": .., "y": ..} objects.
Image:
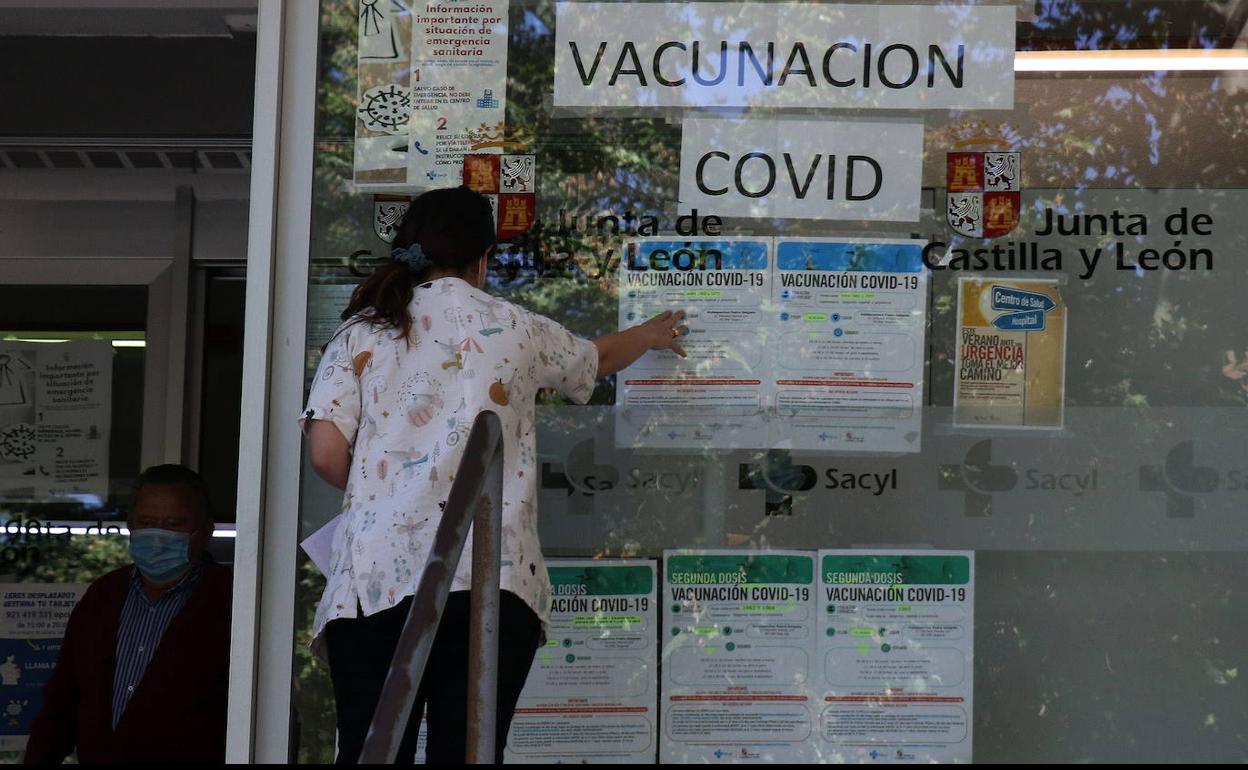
[{"x": 423, "y": 349}]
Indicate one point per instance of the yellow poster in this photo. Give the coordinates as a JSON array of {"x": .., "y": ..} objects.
[{"x": 1011, "y": 353}]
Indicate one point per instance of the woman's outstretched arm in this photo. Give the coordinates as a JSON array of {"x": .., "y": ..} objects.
[{"x": 619, "y": 349}]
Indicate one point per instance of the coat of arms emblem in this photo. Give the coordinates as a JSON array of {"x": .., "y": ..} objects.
[
  {"x": 984, "y": 189},
  {"x": 388, "y": 211},
  {"x": 510, "y": 182}
]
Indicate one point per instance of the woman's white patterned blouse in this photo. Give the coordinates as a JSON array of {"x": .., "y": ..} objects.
[{"x": 406, "y": 408}]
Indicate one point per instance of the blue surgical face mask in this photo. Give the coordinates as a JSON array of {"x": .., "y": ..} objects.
[{"x": 160, "y": 554}]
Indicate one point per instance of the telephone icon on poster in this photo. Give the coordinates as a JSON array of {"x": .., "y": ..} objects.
[{"x": 416, "y": 146}]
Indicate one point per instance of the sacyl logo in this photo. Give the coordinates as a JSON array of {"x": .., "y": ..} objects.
[
  {"x": 778, "y": 477},
  {"x": 1180, "y": 478},
  {"x": 584, "y": 476},
  {"x": 977, "y": 478}
]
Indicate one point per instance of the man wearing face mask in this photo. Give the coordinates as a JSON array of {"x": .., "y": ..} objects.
[{"x": 144, "y": 666}]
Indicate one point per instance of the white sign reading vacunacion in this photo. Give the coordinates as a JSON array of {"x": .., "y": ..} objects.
[
  {"x": 802, "y": 169},
  {"x": 784, "y": 55}
]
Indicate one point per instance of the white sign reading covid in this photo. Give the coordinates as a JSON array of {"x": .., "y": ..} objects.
[{"x": 802, "y": 169}]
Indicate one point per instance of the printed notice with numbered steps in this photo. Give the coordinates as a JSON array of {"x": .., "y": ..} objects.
[
  {"x": 55, "y": 416},
  {"x": 458, "y": 86}
]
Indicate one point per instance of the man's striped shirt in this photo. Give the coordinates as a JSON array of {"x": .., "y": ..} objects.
[{"x": 143, "y": 625}]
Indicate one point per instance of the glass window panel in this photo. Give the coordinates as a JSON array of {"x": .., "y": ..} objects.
[{"x": 1107, "y": 547}]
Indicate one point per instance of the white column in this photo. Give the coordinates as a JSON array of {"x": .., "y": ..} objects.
[{"x": 270, "y": 445}]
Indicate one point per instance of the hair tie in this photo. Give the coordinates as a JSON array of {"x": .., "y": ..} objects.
[{"x": 413, "y": 256}]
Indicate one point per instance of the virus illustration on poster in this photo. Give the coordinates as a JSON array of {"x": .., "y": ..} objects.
[
  {"x": 386, "y": 109},
  {"x": 17, "y": 442}
]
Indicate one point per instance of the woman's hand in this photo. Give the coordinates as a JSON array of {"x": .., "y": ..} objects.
[{"x": 663, "y": 332}]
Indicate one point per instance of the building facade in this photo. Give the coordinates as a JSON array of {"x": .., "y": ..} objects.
[{"x": 954, "y": 471}]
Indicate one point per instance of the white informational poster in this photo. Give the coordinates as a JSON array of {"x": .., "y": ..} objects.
[
  {"x": 813, "y": 344},
  {"x": 807, "y": 55},
  {"x": 590, "y": 696},
  {"x": 717, "y": 396},
  {"x": 55, "y": 416},
  {"x": 458, "y": 84},
  {"x": 802, "y": 169},
  {"x": 33, "y": 617},
  {"x": 738, "y": 667},
  {"x": 896, "y": 647},
  {"x": 384, "y": 94},
  {"x": 849, "y": 352}
]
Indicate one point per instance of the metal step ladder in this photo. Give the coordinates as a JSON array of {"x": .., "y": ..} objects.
[{"x": 476, "y": 499}]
